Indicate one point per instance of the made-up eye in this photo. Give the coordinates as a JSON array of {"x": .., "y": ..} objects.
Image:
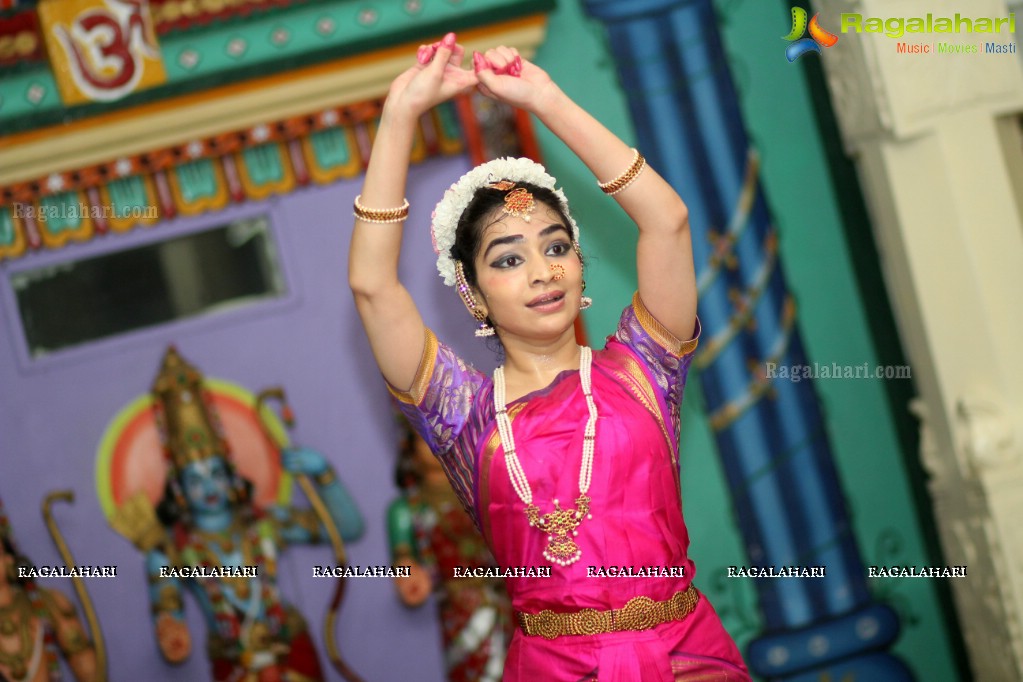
[
  {"x": 559, "y": 248},
  {"x": 509, "y": 261}
]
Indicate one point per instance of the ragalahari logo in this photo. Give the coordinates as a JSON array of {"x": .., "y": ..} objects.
[{"x": 800, "y": 45}]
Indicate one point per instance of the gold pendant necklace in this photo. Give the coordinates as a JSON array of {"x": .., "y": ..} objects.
[
  {"x": 561, "y": 549},
  {"x": 561, "y": 524}
]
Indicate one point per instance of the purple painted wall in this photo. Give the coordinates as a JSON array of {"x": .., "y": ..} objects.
[{"x": 53, "y": 412}]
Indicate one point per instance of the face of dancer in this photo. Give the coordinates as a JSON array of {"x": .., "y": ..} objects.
[
  {"x": 524, "y": 295},
  {"x": 206, "y": 484}
]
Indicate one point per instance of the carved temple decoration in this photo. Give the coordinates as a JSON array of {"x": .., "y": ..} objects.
[
  {"x": 928, "y": 134},
  {"x": 253, "y": 98}
]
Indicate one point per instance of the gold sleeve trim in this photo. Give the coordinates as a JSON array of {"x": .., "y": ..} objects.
[
  {"x": 657, "y": 331},
  {"x": 415, "y": 394}
]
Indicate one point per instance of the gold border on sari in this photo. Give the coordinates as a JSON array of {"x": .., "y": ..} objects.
[
  {"x": 660, "y": 334},
  {"x": 628, "y": 370},
  {"x": 415, "y": 394}
]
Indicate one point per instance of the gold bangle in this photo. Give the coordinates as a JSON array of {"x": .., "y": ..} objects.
[
  {"x": 627, "y": 178},
  {"x": 380, "y": 215}
]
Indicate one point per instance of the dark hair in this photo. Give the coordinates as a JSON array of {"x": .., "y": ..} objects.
[{"x": 485, "y": 202}]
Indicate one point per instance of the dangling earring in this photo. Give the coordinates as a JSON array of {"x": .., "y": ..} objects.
[
  {"x": 584, "y": 302},
  {"x": 469, "y": 299}
]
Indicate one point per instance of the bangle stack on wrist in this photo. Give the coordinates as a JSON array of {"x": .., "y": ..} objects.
[
  {"x": 380, "y": 215},
  {"x": 627, "y": 178}
]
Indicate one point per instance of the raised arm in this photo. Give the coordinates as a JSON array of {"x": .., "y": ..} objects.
[
  {"x": 664, "y": 255},
  {"x": 392, "y": 321}
]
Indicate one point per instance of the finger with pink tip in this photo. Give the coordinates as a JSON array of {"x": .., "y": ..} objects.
[
  {"x": 479, "y": 62},
  {"x": 515, "y": 67},
  {"x": 448, "y": 41},
  {"x": 425, "y": 53}
]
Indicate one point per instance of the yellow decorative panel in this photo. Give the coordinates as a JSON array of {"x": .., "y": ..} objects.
[{"x": 101, "y": 50}]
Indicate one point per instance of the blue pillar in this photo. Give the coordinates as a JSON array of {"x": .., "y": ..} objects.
[{"x": 770, "y": 433}]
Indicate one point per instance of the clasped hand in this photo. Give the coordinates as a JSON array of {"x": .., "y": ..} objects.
[
  {"x": 303, "y": 461},
  {"x": 438, "y": 75}
]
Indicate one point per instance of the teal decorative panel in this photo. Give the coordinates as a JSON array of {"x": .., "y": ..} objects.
[
  {"x": 128, "y": 196},
  {"x": 198, "y": 180},
  {"x": 62, "y": 211},
  {"x": 6, "y": 227},
  {"x": 270, "y": 43},
  {"x": 330, "y": 147},
  {"x": 264, "y": 164}
]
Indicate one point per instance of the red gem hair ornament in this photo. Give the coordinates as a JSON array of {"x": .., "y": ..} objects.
[{"x": 519, "y": 203}]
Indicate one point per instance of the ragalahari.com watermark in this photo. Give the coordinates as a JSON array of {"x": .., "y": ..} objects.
[
  {"x": 797, "y": 373},
  {"x": 76, "y": 211}
]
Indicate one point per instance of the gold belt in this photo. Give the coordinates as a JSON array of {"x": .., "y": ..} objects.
[{"x": 639, "y": 613}]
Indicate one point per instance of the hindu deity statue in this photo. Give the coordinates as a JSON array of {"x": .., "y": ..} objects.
[
  {"x": 37, "y": 625},
  {"x": 430, "y": 532},
  {"x": 206, "y": 535}
]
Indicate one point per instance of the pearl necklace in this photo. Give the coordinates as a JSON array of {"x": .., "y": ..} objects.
[{"x": 561, "y": 549}]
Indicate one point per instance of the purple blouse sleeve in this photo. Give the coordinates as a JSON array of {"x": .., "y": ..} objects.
[
  {"x": 667, "y": 357},
  {"x": 439, "y": 406}
]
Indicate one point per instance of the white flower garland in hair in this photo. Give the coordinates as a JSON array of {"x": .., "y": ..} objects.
[{"x": 456, "y": 199}]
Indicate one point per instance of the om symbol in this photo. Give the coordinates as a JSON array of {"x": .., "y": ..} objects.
[{"x": 106, "y": 47}]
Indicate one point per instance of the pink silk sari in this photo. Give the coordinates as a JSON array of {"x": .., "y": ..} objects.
[
  {"x": 635, "y": 506},
  {"x": 637, "y": 522}
]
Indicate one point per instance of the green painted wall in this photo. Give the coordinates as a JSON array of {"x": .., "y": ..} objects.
[{"x": 832, "y": 316}]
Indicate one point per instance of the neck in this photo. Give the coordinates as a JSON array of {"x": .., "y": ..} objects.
[{"x": 533, "y": 364}]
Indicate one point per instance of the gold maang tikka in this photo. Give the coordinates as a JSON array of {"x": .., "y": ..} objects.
[{"x": 518, "y": 201}]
